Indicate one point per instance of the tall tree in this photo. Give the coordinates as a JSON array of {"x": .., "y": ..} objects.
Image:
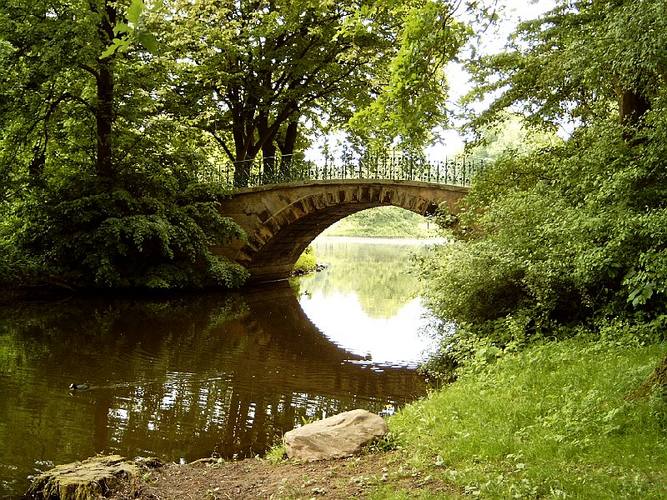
[
  {"x": 253, "y": 70},
  {"x": 106, "y": 187},
  {"x": 60, "y": 63},
  {"x": 577, "y": 61},
  {"x": 572, "y": 235}
]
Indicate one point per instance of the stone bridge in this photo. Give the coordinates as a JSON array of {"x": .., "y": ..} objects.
[{"x": 281, "y": 220}]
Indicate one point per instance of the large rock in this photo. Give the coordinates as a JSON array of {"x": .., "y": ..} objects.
[{"x": 334, "y": 437}]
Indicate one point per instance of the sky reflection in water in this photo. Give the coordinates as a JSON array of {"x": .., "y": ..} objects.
[{"x": 356, "y": 304}]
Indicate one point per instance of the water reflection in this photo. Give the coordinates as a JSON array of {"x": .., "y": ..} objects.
[
  {"x": 367, "y": 300},
  {"x": 179, "y": 378}
]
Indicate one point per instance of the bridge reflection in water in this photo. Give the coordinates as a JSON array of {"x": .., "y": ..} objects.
[{"x": 179, "y": 378}]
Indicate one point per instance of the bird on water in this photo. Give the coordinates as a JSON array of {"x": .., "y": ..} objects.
[{"x": 79, "y": 387}]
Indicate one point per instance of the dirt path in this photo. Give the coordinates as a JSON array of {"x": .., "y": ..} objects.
[{"x": 356, "y": 477}]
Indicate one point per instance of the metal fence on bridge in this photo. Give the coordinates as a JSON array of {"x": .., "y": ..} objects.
[{"x": 457, "y": 171}]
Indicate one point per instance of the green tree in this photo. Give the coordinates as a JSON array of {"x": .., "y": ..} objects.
[
  {"x": 568, "y": 235},
  {"x": 510, "y": 134},
  {"x": 254, "y": 72},
  {"x": 103, "y": 187}
]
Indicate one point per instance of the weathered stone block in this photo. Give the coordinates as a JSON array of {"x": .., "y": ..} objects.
[{"x": 95, "y": 477}]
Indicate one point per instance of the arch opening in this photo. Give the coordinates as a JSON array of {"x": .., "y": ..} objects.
[{"x": 384, "y": 222}]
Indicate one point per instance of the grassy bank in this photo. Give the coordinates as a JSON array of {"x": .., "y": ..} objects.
[
  {"x": 552, "y": 421},
  {"x": 384, "y": 222}
]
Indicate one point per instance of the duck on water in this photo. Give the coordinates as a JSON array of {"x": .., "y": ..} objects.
[{"x": 79, "y": 387}]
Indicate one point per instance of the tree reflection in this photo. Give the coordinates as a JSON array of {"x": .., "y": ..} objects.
[
  {"x": 380, "y": 275},
  {"x": 180, "y": 378}
]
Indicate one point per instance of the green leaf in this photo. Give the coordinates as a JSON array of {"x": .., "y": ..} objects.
[
  {"x": 134, "y": 11},
  {"x": 110, "y": 50},
  {"x": 149, "y": 41},
  {"x": 121, "y": 28},
  {"x": 116, "y": 46}
]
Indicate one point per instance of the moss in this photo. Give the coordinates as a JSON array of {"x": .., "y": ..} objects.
[{"x": 92, "y": 478}]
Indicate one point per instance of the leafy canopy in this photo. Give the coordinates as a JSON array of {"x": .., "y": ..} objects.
[{"x": 563, "y": 236}]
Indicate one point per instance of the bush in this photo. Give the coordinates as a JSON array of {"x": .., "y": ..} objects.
[
  {"x": 144, "y": 231},
  {"x": 557, "y": 241},
  {"x": 306, "y": 263}
]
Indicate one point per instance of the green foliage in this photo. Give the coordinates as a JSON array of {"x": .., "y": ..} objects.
[
  {"x": 276, "y": 454},
  {"x": 511, "y": 134},
  {"x": 383, "y": 222},
  {"x": 254, "y": 75},
  {"x": 386, "y": 443},
  {"x": 127, "y": 34},
  {"x": 562, "y": 237},
  {"x": 576, "y": 62},
  {"x": 307, "y": 262},
  {"x": 550, "y": 421},
  {"x": 412, "y": 101},
  {"x": 145, "y": 233},
  {"x": 566, "y": 238},
  {"x": 104, "y": 188}
]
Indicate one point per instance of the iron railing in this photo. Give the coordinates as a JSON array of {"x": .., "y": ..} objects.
[{"x": 457, "y": 171}]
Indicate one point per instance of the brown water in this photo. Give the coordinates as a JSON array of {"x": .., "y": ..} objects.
[{"x": 226, "y": 374}]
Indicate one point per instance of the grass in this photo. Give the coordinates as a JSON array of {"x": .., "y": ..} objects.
[
  {"x": 306, "y": 263},
  {"x": 383, "y": 222},
  {"x": 276, "y": 454},
  {"x": 552, "y": 421}
]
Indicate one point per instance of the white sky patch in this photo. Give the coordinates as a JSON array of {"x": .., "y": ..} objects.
[{"x": 395, "y": 340}]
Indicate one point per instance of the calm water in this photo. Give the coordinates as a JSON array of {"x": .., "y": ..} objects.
[{"x": 187, "y": 377}]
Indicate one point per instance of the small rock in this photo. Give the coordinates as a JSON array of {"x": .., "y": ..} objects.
[
  {"x": 334, "y": 437},
  {"x": 148, "y": 462}
]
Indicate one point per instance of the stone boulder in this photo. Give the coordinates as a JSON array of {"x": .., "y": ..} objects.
[{"x": 334, "y": 437}]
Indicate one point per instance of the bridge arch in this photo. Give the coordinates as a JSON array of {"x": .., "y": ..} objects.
[{"x": 282, "y": 220}]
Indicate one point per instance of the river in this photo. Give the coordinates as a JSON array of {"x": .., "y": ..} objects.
[{"x": 184, "y": 377}]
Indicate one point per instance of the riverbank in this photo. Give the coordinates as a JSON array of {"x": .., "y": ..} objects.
[
  {"x": 553, "y": 421},
  {"x": 382, "y": 240}
]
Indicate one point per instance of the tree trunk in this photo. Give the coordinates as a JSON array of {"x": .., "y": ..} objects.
[
  {"x": 241, "y": 173},
  {"x": 268, "y": 148},
  {"x": 104, "y": 118},
  {"x": 36, "y": 167},
  {"x": 241, "y": 166},
  {"x": 105, "y": 96},
  {"x": 632, "y": 105},
  {"x": 287, "y": 146},
  {"x": 269, "y": 161}
]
